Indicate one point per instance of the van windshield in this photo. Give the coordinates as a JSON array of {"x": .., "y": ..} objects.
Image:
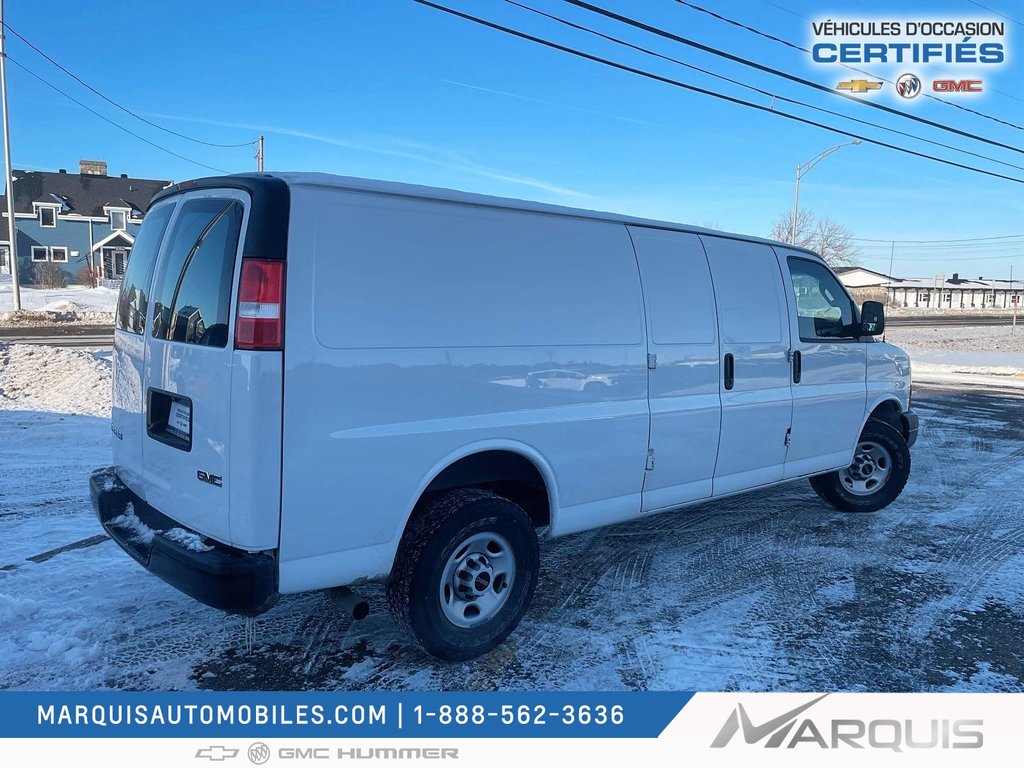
[{"x": 133, "y": 300}]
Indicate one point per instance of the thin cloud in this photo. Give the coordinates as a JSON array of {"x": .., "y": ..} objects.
[
  {"x": 558, "y": 104},
  {"x": 396, "y": 147}
]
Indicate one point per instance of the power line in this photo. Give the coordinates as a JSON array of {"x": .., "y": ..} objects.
[
  {"x": 993, "y": 10},
  {"x": 112, "y": 122},
  {"x": 962, "y": 240},
  {"x": 769, "y": 94},
  {"x": 779, "y": 73},
  {"x": 109, "y": 100},
  {"x": 706, "y": 92},
  {"x": 940, "y": 258},
  {"x": 794, "y": 46}
]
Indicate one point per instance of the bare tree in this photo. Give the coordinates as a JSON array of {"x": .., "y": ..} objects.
[{"x": 820, "y": 234}]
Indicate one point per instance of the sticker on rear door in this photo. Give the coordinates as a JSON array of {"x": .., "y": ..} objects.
[{"x": 179, "y": 421}]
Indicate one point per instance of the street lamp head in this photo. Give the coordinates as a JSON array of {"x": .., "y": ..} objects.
[{"x": 856, "y": 141}]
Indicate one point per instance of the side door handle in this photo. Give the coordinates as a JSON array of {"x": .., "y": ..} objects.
[
  {"x": 730, "y": 370},
  {"x": 797, "y": 366}
]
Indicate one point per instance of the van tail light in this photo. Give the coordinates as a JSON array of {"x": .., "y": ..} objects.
[{"x": 259, "y": 323}]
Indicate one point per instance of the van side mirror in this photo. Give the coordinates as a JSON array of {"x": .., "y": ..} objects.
[{"x": 872, "y": 318}]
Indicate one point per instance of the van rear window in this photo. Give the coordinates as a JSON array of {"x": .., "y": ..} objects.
[
  {"x": 192, "y": 297},
  {"x": 134, "y": 297}
]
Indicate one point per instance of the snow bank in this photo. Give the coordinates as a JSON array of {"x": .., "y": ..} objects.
[
  {"x": 41, "y": 378},
  {"x": 40, "y": 306}
]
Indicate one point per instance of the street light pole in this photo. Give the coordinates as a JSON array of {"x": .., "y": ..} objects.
[
  {"x": 801, "y": 170},
  {"x": 259, "y": 151},
  {"x": 12, "y": 248}
]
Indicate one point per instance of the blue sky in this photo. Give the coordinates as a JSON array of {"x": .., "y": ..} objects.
[{"x": 389, "y": 89}]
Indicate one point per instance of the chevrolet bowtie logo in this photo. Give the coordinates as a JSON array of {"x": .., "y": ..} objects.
[
  {"x": 216, "y": 753},
  {"x": 859, "y": 86}
]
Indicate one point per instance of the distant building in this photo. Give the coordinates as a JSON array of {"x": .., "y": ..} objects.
[
  {"x": 937, "y": 292},
  {"x": 859, "y": 277},
  {"x": 75, "y": 220}
]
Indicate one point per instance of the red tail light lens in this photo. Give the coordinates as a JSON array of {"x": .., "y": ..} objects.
[{"x": 259, "y": 323}]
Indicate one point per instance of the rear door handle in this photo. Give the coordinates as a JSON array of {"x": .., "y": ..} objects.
[
  {"x": 730, "y": 370},
  {"x": 797, "y": 366}
]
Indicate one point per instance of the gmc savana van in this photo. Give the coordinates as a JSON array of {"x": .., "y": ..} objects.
[{"x": 324, "y": 381}]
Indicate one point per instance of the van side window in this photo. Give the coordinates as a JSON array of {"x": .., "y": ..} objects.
[
  {"x": 823, "y": 308},
  {"x": 192, "y": 299},
  {"x": 133, "y": 300}
]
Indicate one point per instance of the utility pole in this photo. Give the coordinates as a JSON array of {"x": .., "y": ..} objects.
[
  {"x": 259, "y": 149},
  {"x": 1013, "y": 299},
  {"x": 12, "y": 250}
]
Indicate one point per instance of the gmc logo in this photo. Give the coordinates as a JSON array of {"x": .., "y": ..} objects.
[
  {"x": 209, "y": 477},
  {"x": 957, "y": 86}
]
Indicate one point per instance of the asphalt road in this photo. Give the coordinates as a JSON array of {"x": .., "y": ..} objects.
[
  {"x": 94, "y": 337},
  {"x": 947, "y": 321},
  {"x": 768, "y": 591}
]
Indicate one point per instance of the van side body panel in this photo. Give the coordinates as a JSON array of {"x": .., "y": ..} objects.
[
  {"x": 434, "y": 326},
  {"x": 127, "y": 413},
  {"x": 253, "y": 479},
  {"x": 888, "y": 376}
]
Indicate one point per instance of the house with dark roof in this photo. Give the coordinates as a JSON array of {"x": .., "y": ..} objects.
[{"x": 76, "y": 220}]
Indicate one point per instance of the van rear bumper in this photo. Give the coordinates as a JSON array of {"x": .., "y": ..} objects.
[{"x": 223, "y": 577}]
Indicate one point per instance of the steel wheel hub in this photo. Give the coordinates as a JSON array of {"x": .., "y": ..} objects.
[
  {"x": 476, "y": 580},
  {"x": 869, "y": 471}
]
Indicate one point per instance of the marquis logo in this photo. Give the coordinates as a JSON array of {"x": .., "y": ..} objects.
[
  {"x": 789, "y": 730},
  {"x": 777, "y": 728}
]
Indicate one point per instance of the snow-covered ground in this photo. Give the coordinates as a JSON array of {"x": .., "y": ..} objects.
[
  {"x": 40, "y": 306},
  {"x": 770, "y": 591},
  {"x": 984, "y": 355}
]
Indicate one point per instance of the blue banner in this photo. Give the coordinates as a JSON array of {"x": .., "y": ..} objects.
[{"x": 110, "y": 714}]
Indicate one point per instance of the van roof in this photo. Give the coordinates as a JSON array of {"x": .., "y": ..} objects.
[{"x": 400, "y": 189}]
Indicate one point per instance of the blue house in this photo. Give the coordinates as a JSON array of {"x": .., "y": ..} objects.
[{"x": 75, "y": 221}]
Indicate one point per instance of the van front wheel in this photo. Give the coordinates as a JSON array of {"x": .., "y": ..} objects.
[
  {"x": 464, "y": 574},
  {"x": 880, "y": 469}
]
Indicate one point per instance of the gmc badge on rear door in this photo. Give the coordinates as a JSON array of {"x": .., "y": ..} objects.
[{"x": 209, "y": 477}]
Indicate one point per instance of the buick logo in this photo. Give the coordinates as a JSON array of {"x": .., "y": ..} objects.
[
  {"x": 259, "y": 753},
  {"x": 908, "y": 86}
]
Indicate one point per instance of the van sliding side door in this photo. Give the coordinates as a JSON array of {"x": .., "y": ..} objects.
[
  {"x": 757, "y": 401},
  {"x": 682, "y": 371}
]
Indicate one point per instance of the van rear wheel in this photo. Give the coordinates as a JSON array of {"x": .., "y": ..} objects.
[
  {"x": 877, "y": 476},
  {"x": 465, "y": 573}
]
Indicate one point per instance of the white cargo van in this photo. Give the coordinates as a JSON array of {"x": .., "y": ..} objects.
[{"x": 324, "y": 381}]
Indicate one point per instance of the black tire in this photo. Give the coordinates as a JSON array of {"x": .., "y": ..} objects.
[
  {"x": 429, "y": 541},
  {"x": 830, "y": 486}
]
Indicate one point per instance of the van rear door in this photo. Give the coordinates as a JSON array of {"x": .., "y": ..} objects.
[
  {"x": 127, "y": 415},
  {"x": 187, "y": 384}
]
